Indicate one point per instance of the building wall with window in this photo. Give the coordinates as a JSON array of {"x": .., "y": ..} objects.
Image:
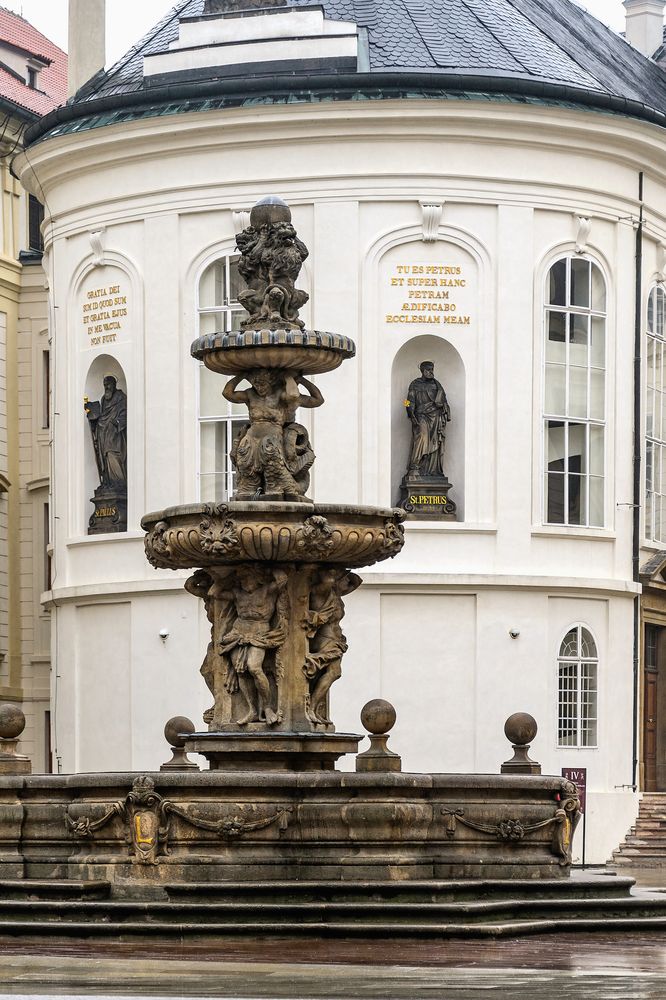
[
  {"x": 33, "y": 75},
  {"x": 539, "y": 376}
]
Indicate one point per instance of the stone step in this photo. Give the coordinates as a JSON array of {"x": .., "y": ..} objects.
[
  {"x": 204, "y": 915},
  {"x": 638, "y": 860},
  {"x": 422, "y": 892},
  {"x": 340, "y": 928},
  {"x": 61, "y": 889},
  {"x": 638, "y": 840}
]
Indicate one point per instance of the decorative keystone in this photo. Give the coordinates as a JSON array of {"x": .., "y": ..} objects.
[
  {"x": 12, "y": 724},
  {"x": 378, "y": 717},
  {"x": 176, "y": 732},
  {"x": 520, "y": 729}
]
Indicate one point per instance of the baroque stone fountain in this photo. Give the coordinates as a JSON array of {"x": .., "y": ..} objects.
[
  {"x": 271, "y": 823},
  {"x": 272, "y": 567}
]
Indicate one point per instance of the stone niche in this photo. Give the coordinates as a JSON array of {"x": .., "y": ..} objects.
[
  {"x": 108, "y": 496},
  {"x": 450, "y": 372}
]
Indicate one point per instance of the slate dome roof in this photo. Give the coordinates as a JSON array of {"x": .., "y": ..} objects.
[{"x": 550, "y": 50}]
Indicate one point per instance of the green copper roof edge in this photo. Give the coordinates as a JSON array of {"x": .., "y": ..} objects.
[{"x": 343, "y": 86}]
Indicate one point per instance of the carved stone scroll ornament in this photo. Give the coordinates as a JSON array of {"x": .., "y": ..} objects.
[
  {"x": 146, "y": 815},
  {"x": 327, "y": 643},
  {"x": 564, "y": 822}
]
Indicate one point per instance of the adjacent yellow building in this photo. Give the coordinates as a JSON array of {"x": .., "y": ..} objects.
[{"x": 33, "y": 80}]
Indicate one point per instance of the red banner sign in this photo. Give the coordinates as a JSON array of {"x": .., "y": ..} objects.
[{"x": 579, "y": 777}]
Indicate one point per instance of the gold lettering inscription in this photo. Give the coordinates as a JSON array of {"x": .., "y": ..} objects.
[
  {"x": 431, "y": 292},
  {"x": 104, "y": 311},
  {"x": 421, "y": 501},
  {"x": 106, "y": 512}
]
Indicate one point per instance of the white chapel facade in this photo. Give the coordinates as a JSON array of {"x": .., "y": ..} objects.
[{"x": 491, "y": 231}]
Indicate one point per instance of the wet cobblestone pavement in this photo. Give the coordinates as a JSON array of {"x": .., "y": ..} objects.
[{"x": 591, "y": 966}]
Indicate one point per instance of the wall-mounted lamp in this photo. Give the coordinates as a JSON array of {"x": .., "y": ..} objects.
[
  {"x": 164, "y": 634},
  {"x": 514, "y": 633}
]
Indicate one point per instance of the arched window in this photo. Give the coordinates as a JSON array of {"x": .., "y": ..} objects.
[
  {"x": 655, "y": 419},
  {"x": 577, "y": 689},
  {"x": 220, "y": 422},
  {"x": 574, "y": 393}
]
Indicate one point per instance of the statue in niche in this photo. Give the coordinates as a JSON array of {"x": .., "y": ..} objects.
[
  {"x": 425, "y": 487},
  {"x": 271, "y": 259},
  {"x": 107, "y": 421},
  {"x": 428, "y": 409},
  {"x": 273, "y": 455},
  {"x": 326, "y": 641},
  {"x": 255, "y": 608}
]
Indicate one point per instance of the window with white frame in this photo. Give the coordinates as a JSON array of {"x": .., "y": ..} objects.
[
  {"x": 220, "y": 423},
  {"x": 655, "y": 418},
  {"x": 574, "y": 393},
  {"x": 577, "y": 669}
]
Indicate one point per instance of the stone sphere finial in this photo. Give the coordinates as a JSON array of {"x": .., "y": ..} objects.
[
  {"x": 520, "y": 728},
  {"x": 269, "y": 211},
  {"x": 177, "y": 730},
  {"x": 12, "y": 722},
  {"x": 378, "y": 716}
]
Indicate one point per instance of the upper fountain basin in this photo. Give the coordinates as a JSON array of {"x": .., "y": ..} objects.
[
  {"x": 206, "y": 535},
  {"x": 309, "y": 352}
]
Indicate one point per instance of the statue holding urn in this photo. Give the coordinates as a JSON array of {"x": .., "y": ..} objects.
[{"x": 424, "y": 491}]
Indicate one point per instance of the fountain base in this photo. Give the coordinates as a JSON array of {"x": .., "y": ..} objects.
[{"x": 280, "y": 751}]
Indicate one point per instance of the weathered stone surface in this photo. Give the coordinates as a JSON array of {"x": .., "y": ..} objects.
[
  {"x": 310, "y": 352},
  {"x": 143, "y": 830},
  {"x": 203, "y": 535}
]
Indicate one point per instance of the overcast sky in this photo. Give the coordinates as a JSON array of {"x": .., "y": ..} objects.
[{"x": 128, "y": 20}]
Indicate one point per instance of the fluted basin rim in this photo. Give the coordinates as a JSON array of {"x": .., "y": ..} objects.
[
  {"x": 273, "y": 506},
  {"x": 235, "y": 352},
  {"x": 210, "y": 535}
]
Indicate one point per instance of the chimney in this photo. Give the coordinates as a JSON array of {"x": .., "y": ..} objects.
[
  {"x": 645, "y": 24},
  {"x": 87, "y": 41}
]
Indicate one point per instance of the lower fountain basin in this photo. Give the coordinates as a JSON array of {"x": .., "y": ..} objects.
[{"x": 201, "y": 535}]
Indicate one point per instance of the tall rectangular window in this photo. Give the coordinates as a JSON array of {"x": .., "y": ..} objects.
[
  {"x": 46, "y": 389},
  {"x": 35, "y": 220},
  {"x": 655, "y": 419},
  {"x": 220, "y": 423},
  {"x": 574, "y": 393}
]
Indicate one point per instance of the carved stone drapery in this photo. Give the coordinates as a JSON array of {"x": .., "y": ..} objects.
[
  {"x": 146, "y": 816},
  {"x": 512, "y": 830}
]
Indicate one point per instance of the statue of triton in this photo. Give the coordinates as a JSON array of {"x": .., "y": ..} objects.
[
  {"x": 107, "y": 421},
  {"x": 424, "y": 491}
]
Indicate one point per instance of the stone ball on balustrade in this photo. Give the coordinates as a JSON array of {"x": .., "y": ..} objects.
[
  {"x": 378, "y": 716},
  {"x": 177, "y": 730},
  {"x": 520, "y": 728},
  {"x": 12, "y": 722}
]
